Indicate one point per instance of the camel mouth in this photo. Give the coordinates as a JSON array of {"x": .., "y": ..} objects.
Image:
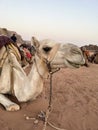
[{"x": 75, "y": 65}]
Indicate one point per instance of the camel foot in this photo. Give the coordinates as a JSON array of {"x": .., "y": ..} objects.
[{"x": 13, "y": 107}]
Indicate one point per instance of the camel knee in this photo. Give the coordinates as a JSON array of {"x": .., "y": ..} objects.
[{"x": 13, "y": 107}]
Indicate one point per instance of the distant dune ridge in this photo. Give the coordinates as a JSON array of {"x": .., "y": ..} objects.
[
  {"x": 91, "y": 47},
  {"x": 9, "y": 33}
]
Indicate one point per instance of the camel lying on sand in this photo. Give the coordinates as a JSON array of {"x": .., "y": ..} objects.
[
  {"x": 48, "y": 55},
  {"x": 89, "y": 56},
  {"x": 96, "y": 58}
]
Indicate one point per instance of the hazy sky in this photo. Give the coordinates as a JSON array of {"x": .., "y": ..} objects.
[{"x": 74, "y": 21}]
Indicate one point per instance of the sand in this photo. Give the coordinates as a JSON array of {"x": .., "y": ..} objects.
[{"x": 74, "y": 103}]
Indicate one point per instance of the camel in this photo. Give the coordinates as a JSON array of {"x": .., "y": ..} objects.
[
  {"x": 90, "y": 56},
  {"x": 96, "y": 58},
  {"x": 49, "y": 55}
]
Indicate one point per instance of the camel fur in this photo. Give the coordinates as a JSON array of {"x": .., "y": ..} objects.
[{"x": 14, "y": 81}]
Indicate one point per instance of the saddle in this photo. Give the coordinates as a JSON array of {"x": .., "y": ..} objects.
[{"x": 9, "y": 47}]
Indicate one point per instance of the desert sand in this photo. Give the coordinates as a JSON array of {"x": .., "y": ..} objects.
[{"x": 74, "y": 103}]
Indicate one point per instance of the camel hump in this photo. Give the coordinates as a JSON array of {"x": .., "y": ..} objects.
[{"x": 4, "y": 40}]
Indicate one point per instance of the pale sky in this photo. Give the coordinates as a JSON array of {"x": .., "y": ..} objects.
[{"x": 74, "y": 21}]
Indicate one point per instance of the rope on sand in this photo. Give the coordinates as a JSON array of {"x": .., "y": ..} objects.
[
  {"x": 44, "y": 116},
  {"x": 57, "y": 128}
]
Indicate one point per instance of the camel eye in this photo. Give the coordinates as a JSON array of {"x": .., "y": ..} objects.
[{"x": 47, "y": 49}]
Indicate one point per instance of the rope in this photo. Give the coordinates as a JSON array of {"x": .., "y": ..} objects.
[
  {"x": 46, "y": 119},
  {"x": 45, "y": 116},
  {"x": 49, "y": 107},
  {"x": 50, "y": 98},
  {"x": 42, "y": 115},
  {"x": 55, "y": 126}
]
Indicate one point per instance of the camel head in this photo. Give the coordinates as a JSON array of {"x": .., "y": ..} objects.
[{"x": 59, "y": 55}]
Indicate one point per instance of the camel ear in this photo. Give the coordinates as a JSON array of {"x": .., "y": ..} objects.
[
  {"x": 35, "y": 42},
  {"x": 53, "y": 52}
]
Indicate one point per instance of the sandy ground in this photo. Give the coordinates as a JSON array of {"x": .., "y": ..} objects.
[{"x": 74, "y": 103}]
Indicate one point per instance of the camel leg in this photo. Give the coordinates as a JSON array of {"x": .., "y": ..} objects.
[{"x": 9, "y": 105}]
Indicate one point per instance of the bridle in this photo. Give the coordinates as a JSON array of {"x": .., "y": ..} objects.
[
  {"x": 48, "y": 63},
  {"x": 44, "y": 116}
]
